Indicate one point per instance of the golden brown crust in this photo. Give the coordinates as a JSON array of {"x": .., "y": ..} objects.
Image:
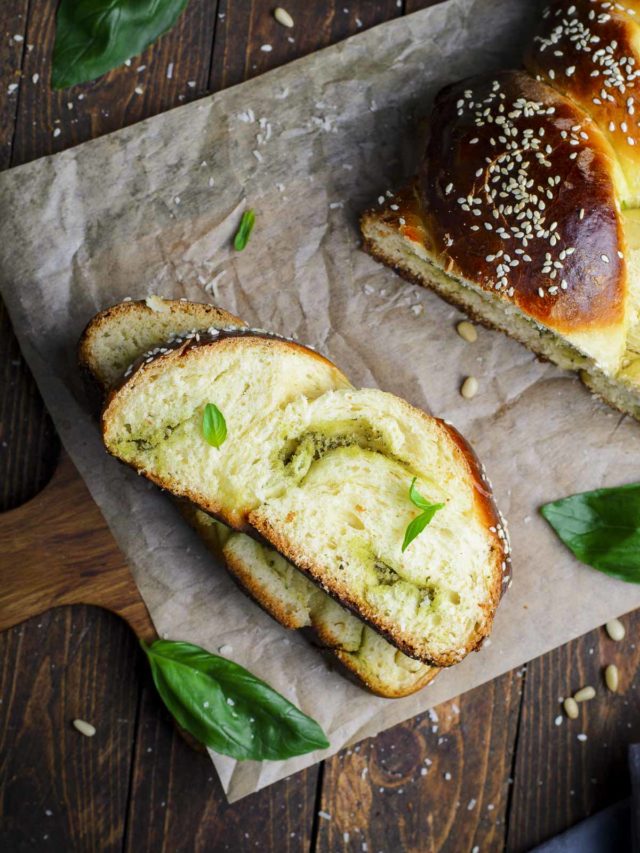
[
  {"x": 588, "y": 50},
  {"x": 183, "y": 345},
  {"x": 518, "y": 197},
  {"x": 377, "y": 685},
  {"x": 494, "y": 522},
  {"x": 414, "y": 230}
]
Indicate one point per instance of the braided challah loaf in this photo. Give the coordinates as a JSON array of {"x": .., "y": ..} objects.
[{"x": 520, "y": 213}]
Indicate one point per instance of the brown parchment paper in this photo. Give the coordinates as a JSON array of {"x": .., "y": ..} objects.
[{"x": 152, "y": 208}]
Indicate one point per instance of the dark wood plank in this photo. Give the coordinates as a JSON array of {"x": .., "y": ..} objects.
[
  {"x": 13, "y": 27},
  {"x": 172, "y": 71},
  {"x": 86, "y": 782},
  {"x": 438, "y": 782},
  {"x": 249, "y": 41},
  {"x": 27, "y": 445},
  {"x": 177, "y": 803},
  {"x": 63, "y": 530},
  {"x": 60, "y": 790},
  {"x": 560, "y": 780}
]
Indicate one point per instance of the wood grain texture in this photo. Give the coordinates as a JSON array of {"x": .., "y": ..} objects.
[
  {"x": 170, "y": 72},
  {"x": 177, "y": 802},
  {"x": 560, "y": 779},
  {"x": 13, "y": 27},
  {"x": 249, "y": 41},
  {"x": 436, "y": 783},
  {"x": 60, "y": 790},
  {"x": 57, "y": 549},
  {"x": 28, "y": 448},
  {"x": 28, "y": 444}
]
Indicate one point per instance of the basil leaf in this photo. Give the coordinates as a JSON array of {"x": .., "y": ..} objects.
[
  {"x": 415, "y": 527},
  {"x": 227, "y": 708},
  {"x": 416, "y": 498},
  {"x": 93, "y": 36},
  {"x": 244, "y": 231},
  {"x": 214, "y": 425},
  {"x": 602, "y": 529}
]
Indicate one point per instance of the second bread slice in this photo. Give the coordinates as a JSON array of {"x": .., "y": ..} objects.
[{"x": 325, "y": 478}]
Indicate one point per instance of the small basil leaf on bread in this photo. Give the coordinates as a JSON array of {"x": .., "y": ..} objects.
[
  {"x": 228, "y": 709},
  {"x": 415, "y": 527},
  {"x": 601, "y": 528},
  {"x": 214, "y": 425},
  {"x": 418, "y": 500}
]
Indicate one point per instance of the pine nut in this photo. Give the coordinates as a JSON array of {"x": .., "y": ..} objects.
[
  {"x": 571, "y": 708},
  {"x": 584, "y": 694},
  {"x": 467, "y": 331},
  {"x": 283, "y": 17},
  {"x": 611, "y": 677},
  {"x": 84, "y": 728},
  {"x": 469, "y": 387},
  {"x": 615, "y": 629}
]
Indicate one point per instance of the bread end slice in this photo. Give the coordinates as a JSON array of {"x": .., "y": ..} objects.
[
  {"x": 343, "y": 523},
  {"x": 114, "y": 338},
  {"x": 285, "y": 593}
]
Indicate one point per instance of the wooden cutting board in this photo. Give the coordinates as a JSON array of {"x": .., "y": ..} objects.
[{"x": 57, "y": 549}]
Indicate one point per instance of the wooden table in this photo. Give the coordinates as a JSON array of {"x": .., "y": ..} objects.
[{"x": 494, "y": 772}]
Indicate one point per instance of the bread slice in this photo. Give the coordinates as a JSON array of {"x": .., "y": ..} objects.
[
  {"x": 325, "y": 478},
  {"x": 117, "y": 336},
  {"x": 264, "y": 575},
  {"x": 292, "y": 599},
  {"x": 343, "y": 516}
]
